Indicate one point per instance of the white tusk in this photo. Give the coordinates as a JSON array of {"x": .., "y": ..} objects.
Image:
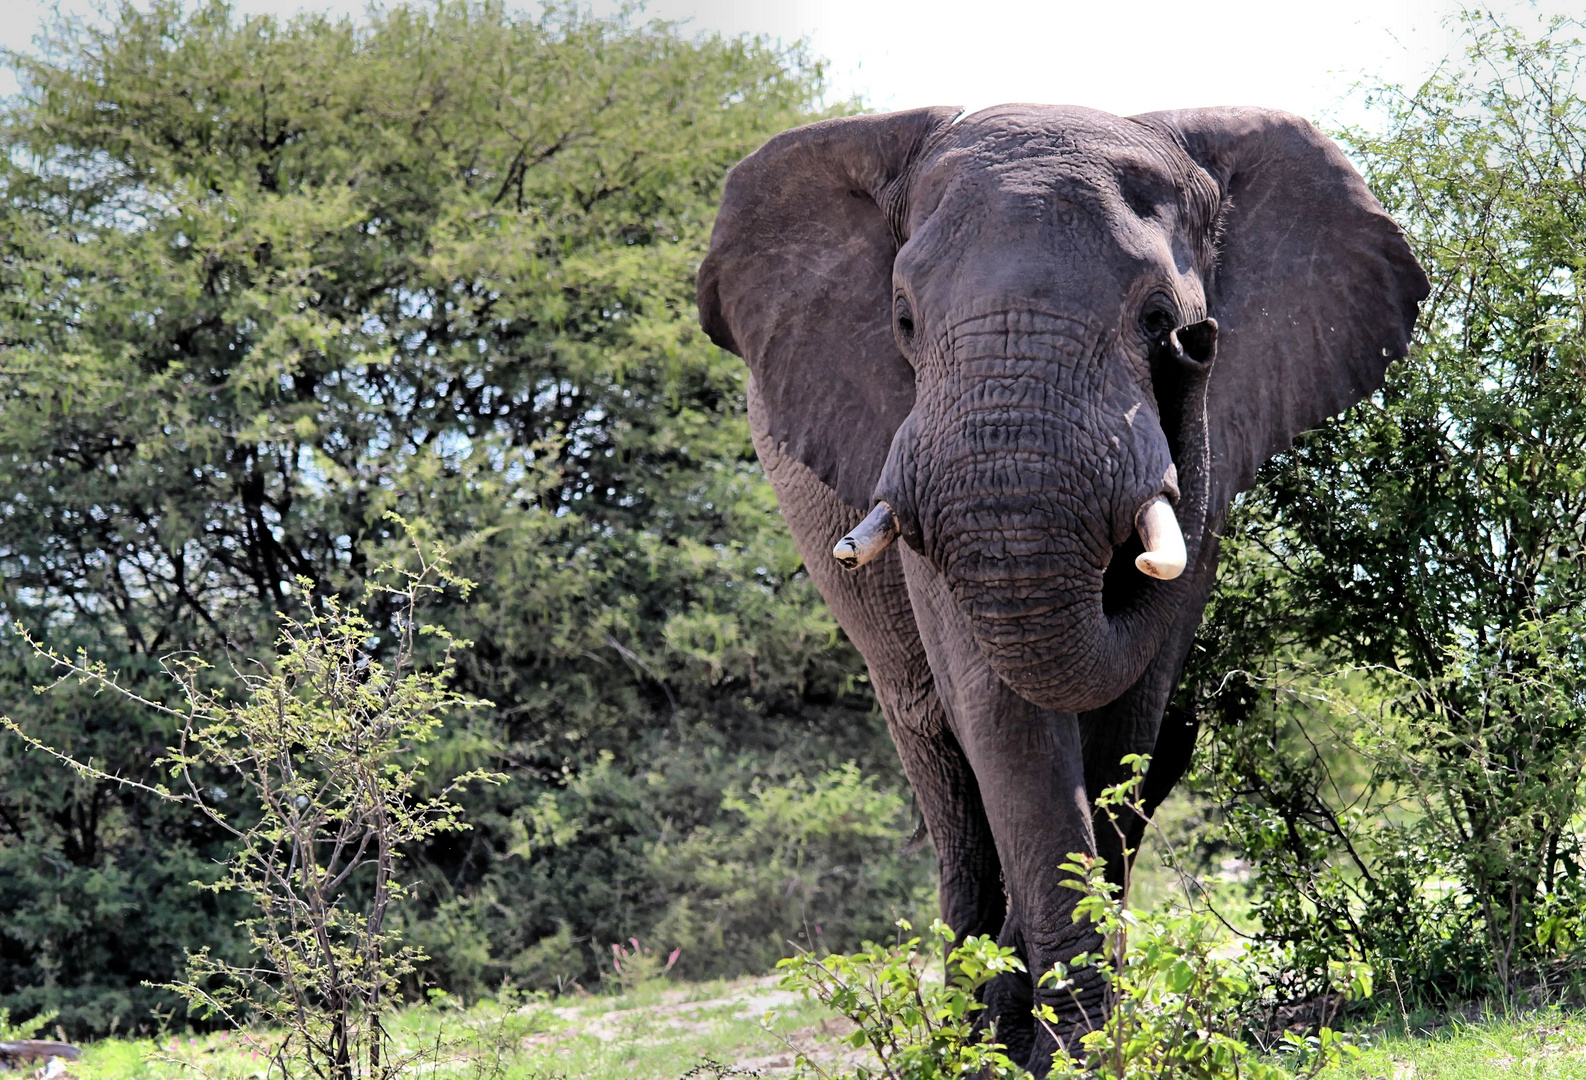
[
  {"x": 869, "y": 538},
  {"x": 1163, "y": 557}
]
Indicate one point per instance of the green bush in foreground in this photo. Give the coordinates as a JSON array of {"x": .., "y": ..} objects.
[
  {"x": 321, "y": 748},
  {"x": 1393, "y": 661},
  {"x": 918, "y": 1028},
  {"x": 1176, "y": 994}
]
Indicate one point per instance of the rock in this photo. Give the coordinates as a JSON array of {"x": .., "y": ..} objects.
[{"x": 19, "y": 1051}]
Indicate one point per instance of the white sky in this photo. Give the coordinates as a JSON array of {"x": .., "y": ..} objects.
[{"x": 1300, "y": 55}]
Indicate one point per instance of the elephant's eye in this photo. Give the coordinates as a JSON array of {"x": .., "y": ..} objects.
[
  {"x": 1156, "y": 322},
  {"x": 905, "y": 319}
]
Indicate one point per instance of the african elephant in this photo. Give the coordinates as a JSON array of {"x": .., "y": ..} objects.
[{"x": 1045, "y": 347}]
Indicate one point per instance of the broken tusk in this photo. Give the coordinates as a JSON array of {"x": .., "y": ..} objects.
[
  {"x": 869, "y": 538},
  {"x": 1163, "y": 557}
]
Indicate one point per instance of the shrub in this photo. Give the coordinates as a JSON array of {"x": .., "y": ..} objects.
[
  {"x": 918, "y": 1028},
  {"x": 1394, "y": 668},
  {"x": 811, "y": 863},
  {"x": 319, "y": 749},
  {"x": 1176, "y": 992}
]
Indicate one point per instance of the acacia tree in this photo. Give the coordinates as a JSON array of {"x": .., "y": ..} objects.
[
  {"x": 263, "y": 281},
  {"x": 322, "y": 745},
  {"x": 1403, "y": 595}
]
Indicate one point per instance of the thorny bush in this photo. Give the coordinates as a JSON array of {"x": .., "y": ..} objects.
[
  {"x": 321, "y": 748},
  {"x": 1177, "y": 992}
]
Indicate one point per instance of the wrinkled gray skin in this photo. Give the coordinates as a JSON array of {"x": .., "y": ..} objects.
[{"x": 968, "y": 318}]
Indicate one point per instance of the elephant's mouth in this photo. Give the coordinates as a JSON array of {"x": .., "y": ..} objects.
[{"x": 1123, "y": 587}]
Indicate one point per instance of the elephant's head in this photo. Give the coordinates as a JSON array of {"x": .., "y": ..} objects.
[{"x": 1041, "y": 343}]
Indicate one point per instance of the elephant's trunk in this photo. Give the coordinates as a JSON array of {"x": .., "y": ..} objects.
[{"x": 1049, "y": 509}]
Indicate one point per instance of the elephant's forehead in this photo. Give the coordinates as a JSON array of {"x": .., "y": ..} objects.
[
  {"x": 1025, "y": 152},
  {"x": 1061, "y": 178},
  {"x": 1014, "y": 132}
]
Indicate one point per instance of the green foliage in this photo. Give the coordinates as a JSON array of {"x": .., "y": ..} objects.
[
  {"x": 1395, "y": 667},
  {"x": 321, "y": 747},
  {"x": 729, "y": 877},
  {"x": 1179, "y": 995},
  {"x": 27, "y": 1029},
  {"x": 263, "y": 281},
  {"x": 639, "y": 966},
  {"x": 1177, "y": 992},
  {"x": 919, "y": 1029},
  {"x": 809, "y": 862}
]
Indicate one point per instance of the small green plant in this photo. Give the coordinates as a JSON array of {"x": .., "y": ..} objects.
[
  {"x": 492, "y": 1034},
  {"x": 26, "y": 1029},
  {"x": 920, "y": 1029},
  {"x": 1175, "y": 992},
  {"x": 635, "y": 967},
  {"x": 1174, "y": 989},
  {"x": 325, "y": 744}
]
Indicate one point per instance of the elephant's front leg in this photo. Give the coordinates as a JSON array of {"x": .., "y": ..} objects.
[
  {"x": 872, "y": 604},
  {"x": 1030, "y": 769},
  {"x": 1141, "y": 722}
]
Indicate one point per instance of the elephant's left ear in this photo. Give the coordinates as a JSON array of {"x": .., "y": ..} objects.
[
  {"x": 798, "y": 282},
  {"x": 1315, "y": 290}
]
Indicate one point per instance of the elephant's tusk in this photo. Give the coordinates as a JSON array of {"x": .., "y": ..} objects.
[
  {"x": 869, "y": 538},
  {"x": 1164, "y": 556}
]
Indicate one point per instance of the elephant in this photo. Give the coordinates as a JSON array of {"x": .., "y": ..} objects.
[{"x": 1043, "y": 347}]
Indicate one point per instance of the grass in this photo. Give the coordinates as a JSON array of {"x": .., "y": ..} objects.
[
  {"x": 1547, "y": 1045},
  {"x": 663, "y": 1030},
  {"x": 655, "y": 1032}
]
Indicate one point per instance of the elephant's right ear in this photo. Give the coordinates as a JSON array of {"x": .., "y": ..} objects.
[
  {"x": 1316, "y": 289},
  {"x": 798, "y": 282}
]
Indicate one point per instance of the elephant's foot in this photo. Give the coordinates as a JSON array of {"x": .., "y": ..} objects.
[
  {"x": 1080, "y": 1009},
  {"x": 1010, "y": 1009},
  {"x": 1008, "y": 1003}
]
